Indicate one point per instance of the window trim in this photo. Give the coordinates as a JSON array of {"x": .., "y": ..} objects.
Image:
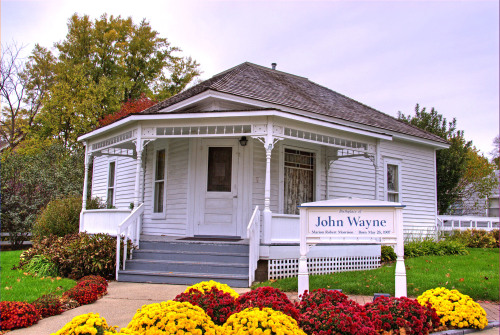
[
  {"x": 398, "y": 163},
  {"x": 163, "y": 214},
  {"x": 113, "y": 201}
]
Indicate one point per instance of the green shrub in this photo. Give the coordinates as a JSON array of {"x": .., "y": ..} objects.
[
  {"x": 387, "y": 254},
  {"x": 77, "y": 255},
  {"x": 428, "y": 246},
  {"x": 95, "y": 203},
  {"x": 60, "y": 217},
  {"x": 41, "y": 266},
  {"x": 475, "y": 238}
]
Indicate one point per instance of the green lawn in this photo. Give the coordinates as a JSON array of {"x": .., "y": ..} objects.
[
  {"x": 17, "y": 286},
  {"x": 476, "y": 275}
]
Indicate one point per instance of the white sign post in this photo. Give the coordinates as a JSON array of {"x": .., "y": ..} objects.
[{"x": 356, "y": 221}]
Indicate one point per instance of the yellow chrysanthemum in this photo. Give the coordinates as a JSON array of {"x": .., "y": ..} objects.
[
  {"x": 205, "y": 286},
  {"x": 256, "y": 321},
  {"x": 454, "y": 308},
  {"x": 86, "y": 324},
  {"x": 171, "y": 317}
]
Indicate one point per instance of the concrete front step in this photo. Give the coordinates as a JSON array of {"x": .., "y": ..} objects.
[
  {"x": 188, "y": 262},
  {"x": 180, "y": 278},
  {"x": 187, "y": 266},
  {"x": 193, "y": 256}
]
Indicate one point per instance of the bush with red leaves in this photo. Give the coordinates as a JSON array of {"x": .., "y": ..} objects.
[
  {"x": 16, "y": 314},
  {"x": 268, "y": 297},
  {"x": 83, "y": 295},
  {"x": 396, "y": 313},
  {"x": 97, "y": 287},
  {"x": 93, "y": 278},
  {"x": 218, "y": 305},
  {"x": 321, "y": 296},
  {"x": 48, "y": 305},
  {"x": 343, "y": 318}
]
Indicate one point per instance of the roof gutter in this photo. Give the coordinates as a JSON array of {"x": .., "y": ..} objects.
[{"x": 201, "y": 115}]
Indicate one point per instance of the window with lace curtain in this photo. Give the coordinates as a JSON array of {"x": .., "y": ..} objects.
[{"x": 299, "y": 178}]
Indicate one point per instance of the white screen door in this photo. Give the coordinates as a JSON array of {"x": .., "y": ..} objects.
[{"x": 219, "y": 189}]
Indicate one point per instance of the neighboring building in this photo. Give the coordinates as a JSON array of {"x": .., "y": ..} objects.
[
  {"x": 476, "y": 205},
  {"x": 201, "y": 161}
]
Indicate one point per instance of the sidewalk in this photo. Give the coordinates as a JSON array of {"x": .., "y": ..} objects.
[{"x": 123, "y": 299}]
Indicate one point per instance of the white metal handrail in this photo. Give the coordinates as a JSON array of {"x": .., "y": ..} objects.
[
  {"x": 454, "y": 222},
  {"x": 134, "y": 220},
  {"x": 253, "y": 233}
]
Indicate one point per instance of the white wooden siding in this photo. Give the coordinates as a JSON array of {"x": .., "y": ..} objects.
[
  {"x": 352, "y": 177},
  {"x": 124, "y": 179},
  {"x": 417, "y": 185},
  {"x": 176, "y": 219}
]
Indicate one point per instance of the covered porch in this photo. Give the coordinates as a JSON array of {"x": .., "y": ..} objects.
[{"x": 213, "y": 176}]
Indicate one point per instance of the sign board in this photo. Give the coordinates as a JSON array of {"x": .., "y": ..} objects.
[
  {"x": 354, "y": 221},
  {"x": 351, "y": 222}
]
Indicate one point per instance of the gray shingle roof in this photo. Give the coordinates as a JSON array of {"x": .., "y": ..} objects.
[{"x": 264, "y": 84}]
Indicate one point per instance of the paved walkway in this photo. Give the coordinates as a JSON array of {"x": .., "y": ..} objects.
[{"x": 123, "y": 300}]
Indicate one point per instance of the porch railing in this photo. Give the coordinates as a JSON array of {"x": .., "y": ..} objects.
[
  {"x": 253, "y": 233},
  {"x": 95, "y": 221},
  {"x": 130, "y": 228},
  {"x": 451, "y": 222}
]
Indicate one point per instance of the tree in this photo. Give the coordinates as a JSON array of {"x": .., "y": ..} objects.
[
  {"x": 451, "y": 163},
  {"x": 495, "y": 153},
  {"x": 478, "y": 181},
  {"x": 100, "y": 65},
  {"x": 31, "y": 178}
]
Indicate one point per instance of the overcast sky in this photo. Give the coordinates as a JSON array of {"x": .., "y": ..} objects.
[{"x": 389, "y": 55}]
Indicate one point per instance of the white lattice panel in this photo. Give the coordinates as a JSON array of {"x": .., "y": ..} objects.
[{"x": 283, "y": 268}]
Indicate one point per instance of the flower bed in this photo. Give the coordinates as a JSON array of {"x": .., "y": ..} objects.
[
  {"x": 16, "y": 314},
  {"x": 205, "y": 309}
]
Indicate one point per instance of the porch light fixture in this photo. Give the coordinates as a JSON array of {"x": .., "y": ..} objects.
[{"x": 243, "y": 141}]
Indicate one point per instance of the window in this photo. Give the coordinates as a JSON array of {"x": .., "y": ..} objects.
[
  {"x": 219, "y": 169},
  {"x": 392, "y": 183},
  {"x": 299, "y": 169},
  {"x": 159, "y": 181},
  {"x": 110, "y": 200}
]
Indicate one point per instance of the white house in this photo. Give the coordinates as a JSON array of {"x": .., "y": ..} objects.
[{"x": 197, "y": 166}]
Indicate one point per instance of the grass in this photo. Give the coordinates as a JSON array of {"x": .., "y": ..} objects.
[
  {"x": 19, "y": 286},
  {"x": 476, "y": 275}
]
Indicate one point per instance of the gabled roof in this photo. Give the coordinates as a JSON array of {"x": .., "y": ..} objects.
[{"x": 264, "y": 84}]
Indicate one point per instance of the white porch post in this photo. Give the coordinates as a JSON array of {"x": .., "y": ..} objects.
[
  {"x": 138, "y": 165},
  {"x": 86, "y": 177},
  {"x": 85, "y": 188},
  {"x": 138, "y": 174},
  {"x": 267, "y": 214}
]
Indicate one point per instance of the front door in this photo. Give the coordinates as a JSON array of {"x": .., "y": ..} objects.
[{"x": 218, "y": 188}]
